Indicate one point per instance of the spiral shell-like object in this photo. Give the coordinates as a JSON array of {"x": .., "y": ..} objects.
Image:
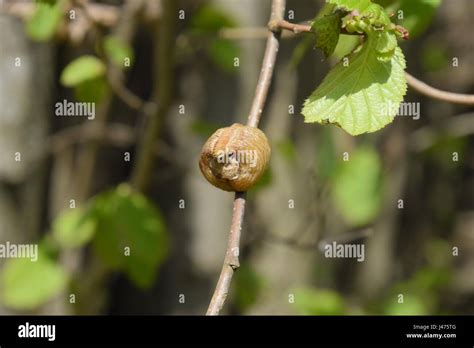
[{"x": 234, "y": 158}]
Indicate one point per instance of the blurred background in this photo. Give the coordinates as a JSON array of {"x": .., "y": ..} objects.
[{"x": 124, "y": 220}]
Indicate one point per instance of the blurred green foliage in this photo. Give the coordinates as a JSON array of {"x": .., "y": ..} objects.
[
  {"x": 74, "y": 227},
  {"x": 309, "y": 301},
  {"x": 204, "y": 128},
  {"x": 417, "y": 14},
  {"x": 92, "y": 91},
  {"x": 126, "y": 219},
  {"x": 422, "y": 291},
  {"x": 443, "y": 151},
  {"x": 326, "y": 162},
  {"x": 286, "y": 148},
  {"x": 126, "y": 231},
  {"x": 28, "y": 284},
  {"x": 356, "y": 189},
  {"x": 434, "y": 56},
  {"x": 118, "y": 51},
  {"x": 265, "y": 181},
  {"x": 248, "y": 285},
  {"x": 209, "y": 19},
  {"x": 45, "y": 21},
  {"x": 82, "y": 69},
  {"x": 207, "y": 22},
  {"x": 223, "y": 52}
]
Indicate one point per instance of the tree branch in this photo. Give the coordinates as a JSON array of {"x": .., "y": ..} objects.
[
  {"x": 164, "y": 82},
  {"x": 231, "y": 261},
  {"x": 423, "y": 88},
  {"x": 88, "y": 155}
]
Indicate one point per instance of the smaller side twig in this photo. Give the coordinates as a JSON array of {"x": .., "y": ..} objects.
[
  {"x": 425, "y": 89},
  {"x": 417, "y": 85}
]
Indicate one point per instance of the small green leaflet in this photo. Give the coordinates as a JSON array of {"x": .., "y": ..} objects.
[
  {"x": 118, "y": 51},
  {"x": 364, "y": 95},
  {"x": 327, "y": 32},
  {"x": 74, "y": 227},
  {"x": 44, "y": 22},
  {"x": 82, "y": 69}
]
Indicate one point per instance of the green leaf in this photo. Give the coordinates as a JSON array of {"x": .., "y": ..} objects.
[
  {"x": 345, "y": 45},
  {"x": 44, "y": 22},
  {"x": 363, "y": 96},
  {"x": 126, "y": 219},
  {"x": 118, "y": 51},
  {"x": 27, "y": 285},
  {"x": 222, "y": 52},
  {"x": 356, "y": 188},
  {"x": 82, "y": 69},
  {"x": 416, "y": 15},
  {"x": 318, "y": 302},
  {"x": 327, "y": 32},
  {"x": 74, "y": 227}
]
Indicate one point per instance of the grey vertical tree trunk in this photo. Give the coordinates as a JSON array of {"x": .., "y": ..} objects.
[{"x": 25, "y": 92}]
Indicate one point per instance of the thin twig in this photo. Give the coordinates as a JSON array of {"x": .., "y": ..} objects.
[
  {"x": 417, "y": 85},
  {"x": 162, "y": 95},
  {"x": 114, "y": 134},
  {"x": 423, "y": 88},
  {"x": 231, "y": 262},
  {"x": 295, "y": 28},
  {"x": 127, "y": 96},
  {"x": 88, "y": 156}
]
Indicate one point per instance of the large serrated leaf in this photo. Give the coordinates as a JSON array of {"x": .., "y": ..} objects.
[{"x": 363, "y": 96}]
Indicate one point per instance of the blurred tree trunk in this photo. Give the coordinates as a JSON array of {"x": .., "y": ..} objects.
[{"x": 25, "y": 96}]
